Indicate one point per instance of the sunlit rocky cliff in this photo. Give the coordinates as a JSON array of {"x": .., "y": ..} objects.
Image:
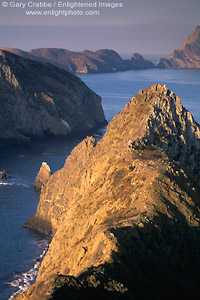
[{"x": 125, "y": 211}]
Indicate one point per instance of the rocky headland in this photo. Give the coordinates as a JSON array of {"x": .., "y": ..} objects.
[
  {"x": 125, "y": 211},
  {"x": 39, "y": 100},
  {"x": 100, "y": 61},
  {"x": 187, "y": 56}
]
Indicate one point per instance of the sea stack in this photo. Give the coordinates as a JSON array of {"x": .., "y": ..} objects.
[
  {"x": 187, "y": 56},
  {"x": 39, "y": 100},
  {"x": 125, "y": 211},
  {"x": 42, "y": 176},
  {"x": 3, "y": 175}
]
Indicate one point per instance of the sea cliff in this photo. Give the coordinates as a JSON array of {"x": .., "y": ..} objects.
[
  {"x": 39, "y": 100},
  {"x": 125, "y": 211}
]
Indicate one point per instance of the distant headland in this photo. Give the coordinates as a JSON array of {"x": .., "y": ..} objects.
[
  {"x": 100, "y": 61},
  {"x": 187, "y": 56}
]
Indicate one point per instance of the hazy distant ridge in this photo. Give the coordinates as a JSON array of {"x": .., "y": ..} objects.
[
  {"x": 100, "y": 61},
  {"x": 187, "y": 56}
]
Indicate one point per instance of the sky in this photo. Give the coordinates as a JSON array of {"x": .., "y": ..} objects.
[{"x": 143, "y": 26}]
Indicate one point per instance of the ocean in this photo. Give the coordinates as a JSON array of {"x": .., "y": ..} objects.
[{"x": 21, "y": 250}]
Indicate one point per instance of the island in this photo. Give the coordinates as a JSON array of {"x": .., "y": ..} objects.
[
  {"x": 99, "y": 61},
  {"x": 39, "y": 100}
]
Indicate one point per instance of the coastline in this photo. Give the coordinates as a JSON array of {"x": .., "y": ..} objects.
[
  {"x": 24, "y": 280},
  {"x": 114, "y": 98}
]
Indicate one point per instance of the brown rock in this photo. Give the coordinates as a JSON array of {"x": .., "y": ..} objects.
[
  {"x": 187, "y": 56},
  {"x": 42, "y": 176},
  {"x": 39, "y": 100},
  {"x": 125, "y": 211},
  {"x": 82, "y": 62},
  {"x": 3, "y": 175},
  {"x": 98, "y": 61}
]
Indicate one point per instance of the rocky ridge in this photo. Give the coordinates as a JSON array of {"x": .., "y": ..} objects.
[
  {"x": 40, "y": 100},
  {"x": 99, "y": 61},
  {"x": 125, "y": 211},
  {"x": 187, "y": 56}
]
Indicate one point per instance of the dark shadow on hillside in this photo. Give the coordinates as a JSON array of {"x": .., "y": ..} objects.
[{"x": 160, "y": 260}]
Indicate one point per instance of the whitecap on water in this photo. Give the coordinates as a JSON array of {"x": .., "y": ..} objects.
[
  {"x": 24, "y": 280},
  {"x": 13, "y": 182},
  {"x": 5, "y": 183}
]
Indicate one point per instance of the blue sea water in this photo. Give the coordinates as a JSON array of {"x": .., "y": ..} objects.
[
  {"x": 21, "y": 250},
  {"x": 118, "y": 88}
]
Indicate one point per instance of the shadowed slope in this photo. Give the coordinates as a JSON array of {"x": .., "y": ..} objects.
[{"x": 40, "y": 100}]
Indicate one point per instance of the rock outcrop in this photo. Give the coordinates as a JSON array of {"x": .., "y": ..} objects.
[
  {"x": 100, "y": 61},
  {"x": 138, "y": 62},
  {"x": 42, "y": 176},
  {"x": 125, "y": 212},
  {"x": 40, "y": 100},
  {"x": 3, "y": 175},
  {"x": 187, "y": 56}
]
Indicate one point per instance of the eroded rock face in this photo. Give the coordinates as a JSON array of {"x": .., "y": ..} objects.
[
  {"x": 100, "y": 61},
  {"x": 126, "y": 211},
  {"x": 171, "y": 127},
  {"x": 39, "y": 100},
  {"x": 42, "y": 176},
  {"x": 187, "y": 56}
]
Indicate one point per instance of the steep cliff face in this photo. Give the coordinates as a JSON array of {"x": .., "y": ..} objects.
[
  {"x": 100, "y": 61},
  {"x": 125, "y": 211},
  {"x": 187, "y": 56},
  {"x": 40, "y": 100}
]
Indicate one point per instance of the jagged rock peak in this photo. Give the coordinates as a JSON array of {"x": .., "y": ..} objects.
[
  {"x": 161, "y": 120},
  {"x": 194, "y": 37},
  {"x": 42, "y": 176},
  {"x": 187, "y": 56}
]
